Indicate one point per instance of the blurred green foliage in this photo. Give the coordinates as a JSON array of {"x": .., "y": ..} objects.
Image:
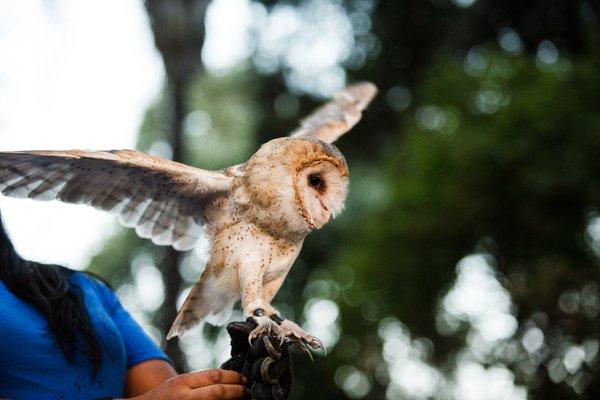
[{"x": 501, "y": 160}]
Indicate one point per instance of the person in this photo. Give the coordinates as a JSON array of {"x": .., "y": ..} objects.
[{"x": 64, "y": 335}]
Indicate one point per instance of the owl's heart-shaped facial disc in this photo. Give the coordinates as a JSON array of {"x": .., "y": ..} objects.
[{"x": 323, "y": 187}]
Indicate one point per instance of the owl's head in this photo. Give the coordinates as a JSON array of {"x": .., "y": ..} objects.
[{"x": 298, "y": 183}]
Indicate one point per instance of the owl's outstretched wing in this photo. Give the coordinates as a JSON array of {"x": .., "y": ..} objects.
[
  {"x": 338, "y": 116},
  {"x": 166, "y": 201}
]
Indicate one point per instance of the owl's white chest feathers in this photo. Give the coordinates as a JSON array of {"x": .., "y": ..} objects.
[
  {"x": 284, "y": 256},
  {"x": 243, "y": 243}
]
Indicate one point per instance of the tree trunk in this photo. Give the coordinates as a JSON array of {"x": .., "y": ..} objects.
[
  {"x": 170, "y": 269},
  {"x": 179, "y": 29}
]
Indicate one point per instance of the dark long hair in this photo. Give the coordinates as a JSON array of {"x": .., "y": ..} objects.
[{"x": 47, "y": 287}]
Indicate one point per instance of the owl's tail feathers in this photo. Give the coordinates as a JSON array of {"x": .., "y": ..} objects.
[{"x": 207, "y": 300}]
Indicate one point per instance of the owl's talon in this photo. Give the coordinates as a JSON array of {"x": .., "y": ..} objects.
[
  {"x": 266, "y": 326},
  {"x": 304, "y": 349},
  {"x": 303, "y": 340},
  {"x": 317, "y": 344}
]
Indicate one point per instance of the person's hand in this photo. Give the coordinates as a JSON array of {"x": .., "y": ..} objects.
[{"x": 215, "y": 384}]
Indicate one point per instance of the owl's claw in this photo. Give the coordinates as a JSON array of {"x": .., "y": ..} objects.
[
  {"x": 304, "y": 349},
  {"x": 285, "y": 330},
  {"x": 266, "y": 326},
  {"x": 302, "y": 339}
]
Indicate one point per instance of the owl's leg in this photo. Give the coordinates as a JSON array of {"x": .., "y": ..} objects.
[
  {"x": 253, "y": 302},
  {"x": 291, "y": 330}
]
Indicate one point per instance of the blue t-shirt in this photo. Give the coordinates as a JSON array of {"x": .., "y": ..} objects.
[{"x": 33, "y": 367}]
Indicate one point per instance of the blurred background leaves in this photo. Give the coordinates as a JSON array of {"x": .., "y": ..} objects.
[{"x": 466, "y": 264}]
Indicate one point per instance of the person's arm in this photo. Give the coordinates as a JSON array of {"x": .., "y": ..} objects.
[
  {"x": 149, "y": 374},
  {"x": 213, "y": 384},
  {"x": 146, "y": 376}
]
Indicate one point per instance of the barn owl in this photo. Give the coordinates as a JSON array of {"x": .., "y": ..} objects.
[{"x": 255, "y": 215}]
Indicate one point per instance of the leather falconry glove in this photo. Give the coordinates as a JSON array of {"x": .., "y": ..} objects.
[{"x": 266, "y": 363}]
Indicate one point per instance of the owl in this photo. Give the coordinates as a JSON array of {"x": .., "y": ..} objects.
[{"x": 255, "y": 215}]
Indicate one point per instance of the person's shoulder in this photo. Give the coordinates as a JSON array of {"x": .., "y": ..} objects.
[
  {"x": 88, "y": 279},
  {"x": 91, "y": 282}
]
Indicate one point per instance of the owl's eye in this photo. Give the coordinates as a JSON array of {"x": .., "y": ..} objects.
[{"x": 316, "y": 182}]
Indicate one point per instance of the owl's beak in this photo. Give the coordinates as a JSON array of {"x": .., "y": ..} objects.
[
  {"x": 323, "y": 214},
  {"x": 323, "y": 204}
]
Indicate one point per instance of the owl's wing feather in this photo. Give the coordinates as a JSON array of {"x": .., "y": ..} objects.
[
  {"x": 164, "y": 200},
  {"x": 338, "y": 116}
]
